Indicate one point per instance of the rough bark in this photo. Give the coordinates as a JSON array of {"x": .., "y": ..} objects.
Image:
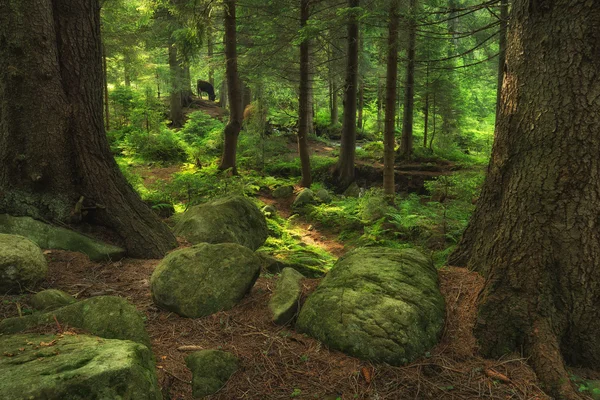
[
  {"x": 361, "y": 104},
  {"x": 186, "y": 85},
  {"x": 535, "y": 232},
  {"x": 304, "y": 101},
  {"x": 55, "y": 151},
  {"x": 426, "y": 108},
  {"x": 389, "y": 137},
  {"x": 232, "y": 130},
  {"x": 406, "y": 142},
  {"x": 176, "y": 108}
]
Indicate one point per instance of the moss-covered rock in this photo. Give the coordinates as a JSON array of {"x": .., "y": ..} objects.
[
  {"x": 109, "y": 317},
  {"x": 203, "y": 279},
  {"x": 53, "y": 237},
  {"x": 269, "y": 211},
  {"x": 305, "y": 197},
  {"x": 51, "y": 299},
  {"x": 75, "y": 367},
  {"x": 210, "y": 370},
  {"x": 283, "y": 191},
  {"x": 353, "y": 190},
  {"x": 378, "y": 304},
  {"x": 22, "y": 263},
  {"x": 228, "y": 220},
  {"x": 323, "y": 196},
  {"x": 285, "y": 301},
  {"x": 313, "y": 268}
]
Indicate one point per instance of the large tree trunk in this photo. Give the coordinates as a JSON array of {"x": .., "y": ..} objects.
[
  {"x": 345, "y": 166},
  {"x": 389, "y": 137},
  {"x": 55, "y": 151},
  {"x": 176, "y": 107},
  {"x": 535, "y": 232},
  {"x": 232, "y": 130},
  {"x": 304, "y": 101},
  {"x": 406, "y": 142},
  {"x": 186, "y": 85}
]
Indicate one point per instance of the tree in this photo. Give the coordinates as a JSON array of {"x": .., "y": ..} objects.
[
  {"x": 534, "y": 234},
  {"x": 304, "y": 102},
  {"x": 406, "y": 142},
  {"x": 53, "y": 148},
  {"x": 232, "y": 130}
]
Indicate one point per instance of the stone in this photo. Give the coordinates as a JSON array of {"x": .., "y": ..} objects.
[
  {"x": 22, "y": 263},
  {"x": 305, "y": 197},
  {"x": 204, "y": 279},
  {"x": 53, "y": 237},
  {"x": 283, "y": 191},
  {"x": 378, "y": 304},
  {"x": 285, "y": 301},
  {"x": 269, "y": 211},
  {"x": 324, "y": 196},
  {"x": 109, "y": 317},
  {"x": 51, "y": 299},
  {"x": 353, "y": 190},
  {"x": 228, "y": 220},
  {"x": 75, "y": 367},
  {"x": 311, "y": 269},
  {"x": 211, "y": 369}
]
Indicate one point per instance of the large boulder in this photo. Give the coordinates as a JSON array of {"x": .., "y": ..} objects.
[
  {"x": 75, "y": 367},
  {"x": 285, "y": 302},
  {"x": 22, "y": 263},
  {"x": 228, "y": 220},
  {"x": 51, "y": 299},
  {"x": 377, "y": 304},
  {"x": 205, "y": 278},
  {"x": 305, "y": 197},
  {"x": 283, "y": 191},
  {"x": 54, "y": 237},
  {"x": 210, "y": 370},
  {"x": 109, "y": 317}
]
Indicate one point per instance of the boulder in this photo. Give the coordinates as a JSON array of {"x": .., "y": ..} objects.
[
  {"x": 203, "y": 279},
  {"x": 228, "y": 220},
  {"x": 269, "y": 211},
  {"x": 377, "y": 304},
  {"x": 51, "y": 299},
  {"x": 211, "y": 369},
  {"x": 313, "y": 268},
  {"x": 53, "y": 237},
  {"x": 353, "y": 190},
  {"x": 22, "y": 263},
  {"x": 305, "y": 197},
  {"x": 75, "y": 367},
  {"x": 285, "y": 301},
  {"x": 109, "y": 317},
  {"x": 324, "y": 196},
  {"x": 283, "y": 191}
]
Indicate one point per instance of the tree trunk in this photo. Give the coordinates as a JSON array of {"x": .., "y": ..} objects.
[
  {"x": 223, "y": 94},
  {"x": 105, "y": 83},
  {"x": 176, "y": 108},
  {"x": 55, "y": 151},
  {"x": 389, "y": 137},
  {"x": 126, "y": 69},
  {"x": 345, "y": 166},
  {"x": 210, "y": 47},
  {"x": 232, "y": 130},
  {"x": 335, "y": 118},
  {"x": 406, "y": 143},
  {"x": 361, "y": 104},
  {"x": 534, "y": 234},
  {"x": 502, "y": 49},
  {"x": 304, "y": 101},
  {"x": 186, "y": 86},
  {"x": 426, "y": 108}
]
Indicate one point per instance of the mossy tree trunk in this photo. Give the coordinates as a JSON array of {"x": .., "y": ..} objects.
[
  {"x": 535, "y": 232},
  {"x": 53, "y": 147}
]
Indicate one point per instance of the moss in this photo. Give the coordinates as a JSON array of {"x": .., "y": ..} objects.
[
  {"x": 22, "y": 263},
  {"x": 51, "y": 299},
  {"x": 286, "y": 296},
  {"x": 210, "y": 370}
]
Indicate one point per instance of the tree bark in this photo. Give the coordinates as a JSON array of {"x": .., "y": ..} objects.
[
  {"x": 361, "y": 104},
  {"x": 502, "y": 49},
  {"x": 389, "y": 137},
  {"x": 105, "y": 83},
  {"x": 55, "y": 151},
  {"x": 232, "y": 130},
  {"x": 176, "y": 107},
  {"x": 304, "y": 101},
  {"x": 406, "y": 143},
  {"x": 210, "y": 47},
  {"x": 345, "y": 166},
  {"x": 535, "y": 234}
]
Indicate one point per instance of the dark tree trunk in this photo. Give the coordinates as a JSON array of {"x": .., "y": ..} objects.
[
  {"x": 426, "y": 108},
  {"x": 361, "y": 104},
  {"x": 105, "y": 83},
  {"x": 186, "y": 86},
  {"x": 345, "y": 166},
  {"x": 535, "y": 232},
  {"x": 434, "y": 120},
  {"x": 335, "y": 118},
  {"x": 389, "y": 137},
  {"x": 210, "y": 47},
  {"x": 502, "y": 49},
  {"x": 406, "y": 143},
  {"x": 232, "y": 130},
  {"x": 304, "y": 101},
  {"x": 176, "y": 108},
  {"x": 55, "y": 151},
  {"x": 223, "y": 94}
]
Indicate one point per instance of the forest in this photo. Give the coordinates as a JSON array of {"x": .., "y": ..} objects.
[{"x": 312, "y": 199}]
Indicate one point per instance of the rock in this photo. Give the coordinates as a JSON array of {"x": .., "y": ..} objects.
[
  {"x": 274, "y": 266},
  {"x": 324, "y": 196},
  {"x": 378, "y": 304},
  {"x": 353, "y": 190},
  {"x": 109, "y": 317},
  {"x": 53, "y": 237},
  {"x": 283, "y": 191},
  {"x": 75, "y": 367},
  {"x": 285, "y": 301},
  {"x": 305, "y": 197},
  {"x": 51, "y": 299},
  {"x": 269, "y": 211},
  {"x": 203, "y": 279},
  {"x": 22, "y": 263},
  {"x": 228, "y": 220},
  {"x": 211, "y": 369}
]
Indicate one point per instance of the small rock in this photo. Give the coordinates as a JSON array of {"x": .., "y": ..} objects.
[
  {"x": 211, "y": 369},
  {"x": 324, "y": 196},
  {"x": 22, "y": 263},
  {"x": 353, "y": 190},
  {"x": 283, "y": 191},
  {"x": 285, "y": 301},
  {"x": 51, "y": 299},
  {"x": 269, "y": 211},
  {"x": 305, "y": 197}
]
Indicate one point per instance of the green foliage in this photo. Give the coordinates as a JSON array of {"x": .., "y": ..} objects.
[{"x": 164, "y": 146}]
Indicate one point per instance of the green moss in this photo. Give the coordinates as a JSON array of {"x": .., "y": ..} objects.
[
  {"x": 210, "y": 370},
  {"x": 286, "y": 296},
  {"x": 22, "y": 263},
  {"x": 51, "y": 299}
]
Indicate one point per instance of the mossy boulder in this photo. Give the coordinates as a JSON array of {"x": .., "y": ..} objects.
[
  {"x": 283, "y": 191},
  {"x": 269, "y": 211},
  {"x": 377, "y": 304},
  {"x": 22, "y": 263},
  {"x": 204, "y": 279},
  {"x": 51, "y": 299},
  {"x": 285, "y": 301},
  {"x": 305, "y": 197},
  {"x": 353, "y": 190},
  {"x": 75, "y": 367},
  {"x": 229, "y": 220},
  {"x": 53, "y": 237},
  {"x": 109, "y": 317},
  {"x": 210, "y": 370},
  {"x": 323, "y": 196}
]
